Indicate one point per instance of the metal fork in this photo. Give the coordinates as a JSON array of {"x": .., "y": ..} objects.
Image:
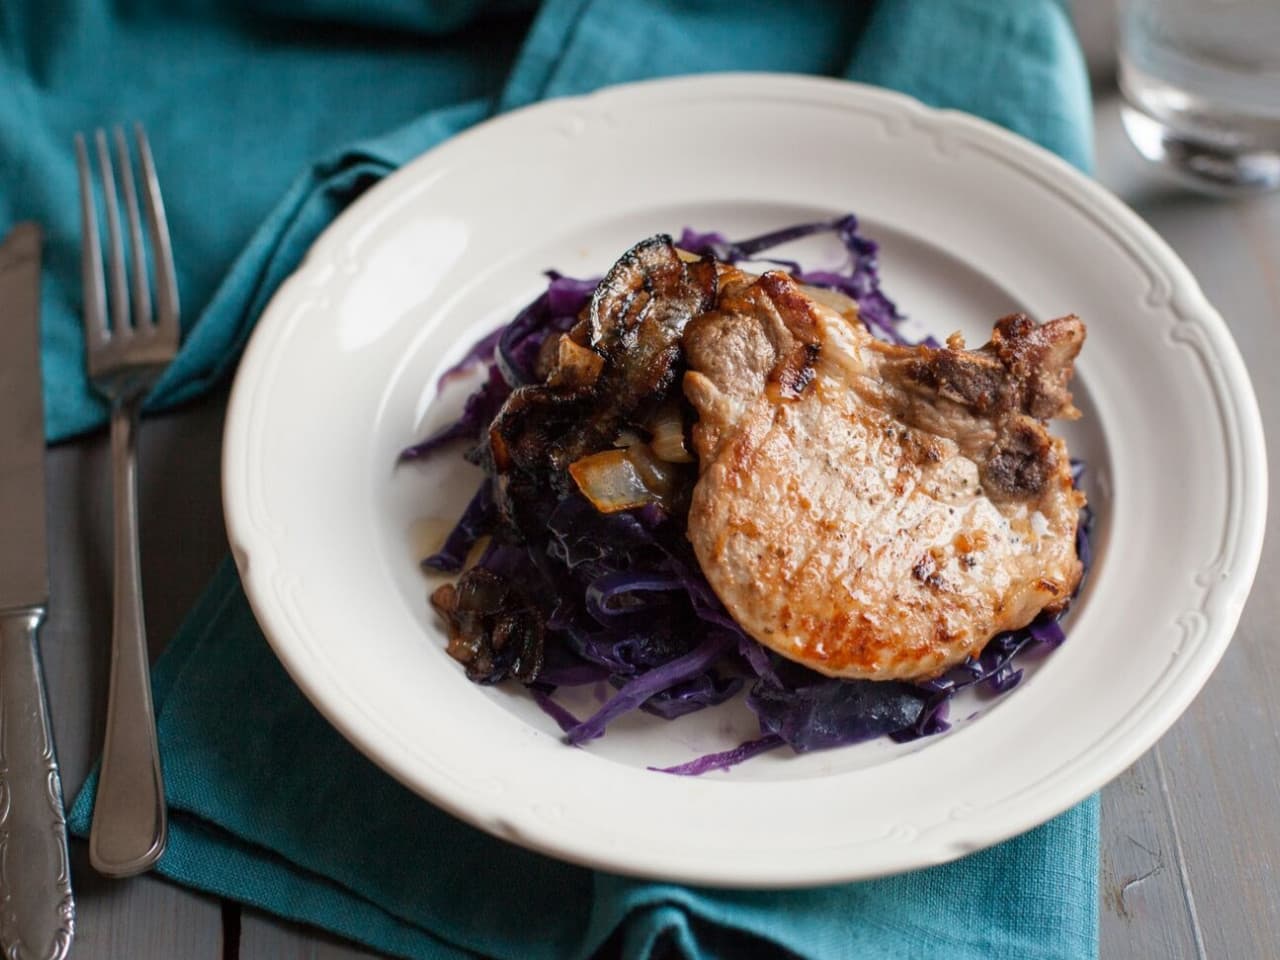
[{"x": 126, "y": 351}]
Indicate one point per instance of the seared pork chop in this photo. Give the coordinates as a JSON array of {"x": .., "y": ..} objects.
[{"x": 871, "y": 510}]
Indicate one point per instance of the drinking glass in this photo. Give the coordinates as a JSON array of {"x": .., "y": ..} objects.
[{"x": 1201, "y": 83}]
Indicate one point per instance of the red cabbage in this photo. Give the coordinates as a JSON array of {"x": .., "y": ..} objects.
[
  {"x": 725, "y": 759},
  {"x": 708, "y": 689},
  {"x": 814, "y": 712},
  {"x": 637, "y": 691},
  {"x": 623, "y": 596},
  {"x": 478, "y": 412},
  {"x": 481, "y": 352},
  {"x": 477, "y": 520},
  {"x": 553, "y": 312},
  {"x": 576, "y": 673},
  {"x": 556, "y": 711},
  {"x": 615, "y": 595},
  {"x": 567, "y": 295},
  {"x": 858, "y": 279}
]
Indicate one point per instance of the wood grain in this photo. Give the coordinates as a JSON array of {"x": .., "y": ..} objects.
[
  {"x": 1203, "y": 800},
  {"x": 264, "y": 937},
  {"x": 1223, "y": 758},
  {"x": 143, "y": 918},
  {"x": 1144, "y": 912},
  {"x": 182, "y": 541}
]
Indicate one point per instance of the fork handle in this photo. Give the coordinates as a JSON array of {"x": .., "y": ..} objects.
[{"x": 129, "y": 820}]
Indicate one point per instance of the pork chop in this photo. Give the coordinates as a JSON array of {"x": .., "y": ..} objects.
[{"x": 871, "y": 510}]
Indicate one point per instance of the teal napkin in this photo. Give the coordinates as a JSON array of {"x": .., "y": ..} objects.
[
  {"x": 318, "y": 833},
  {"x": 269, "y": 805},
  {"x": 239, "y": 97}
]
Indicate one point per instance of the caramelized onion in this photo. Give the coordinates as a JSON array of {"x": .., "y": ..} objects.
[
  {"x": 667, "y": 427},
  {"x": 493, "y": 631},
  {"x": 627, "y": 438},
  {"x": 576, "y": 366},
  {"x": 660, "y": 477},
  {"x": 611, "y": 481},
  {"x": 624, "y": 479}
]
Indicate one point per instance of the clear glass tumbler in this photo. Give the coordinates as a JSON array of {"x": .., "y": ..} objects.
[{"x": 1201, "y": 83}]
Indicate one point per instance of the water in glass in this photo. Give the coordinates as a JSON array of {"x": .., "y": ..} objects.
[{"x": 1201, "y": 81}]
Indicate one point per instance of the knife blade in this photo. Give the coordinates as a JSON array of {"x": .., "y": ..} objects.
[{"x": 37, "y": 910}]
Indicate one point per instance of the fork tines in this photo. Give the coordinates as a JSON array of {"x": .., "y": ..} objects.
[{"x": 102, "y": 325}]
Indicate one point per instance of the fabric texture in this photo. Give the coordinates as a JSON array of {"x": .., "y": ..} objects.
[
  {"x": 269, "y": 805},
  {"x": 272, "y": 807}
]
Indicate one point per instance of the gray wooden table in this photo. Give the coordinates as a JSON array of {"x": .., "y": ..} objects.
[{"x": 1190, "y": 833}]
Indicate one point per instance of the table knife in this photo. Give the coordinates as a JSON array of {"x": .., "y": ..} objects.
[{"x": 37, "y": 911}]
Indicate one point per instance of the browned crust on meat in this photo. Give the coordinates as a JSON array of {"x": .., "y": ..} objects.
[
  {"x": 1024, "y": 369},
  {"x": 1022, "y": 461},
  {"x": 1015, "y": 382},
  {"x": 795, "y": 369},
  {"x": 873, "y": 516}
]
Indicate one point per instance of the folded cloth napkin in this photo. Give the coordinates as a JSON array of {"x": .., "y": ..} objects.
[{"x": 269, "y": 805}]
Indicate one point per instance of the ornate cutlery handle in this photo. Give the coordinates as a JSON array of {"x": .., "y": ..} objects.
[{"x": 37, "y": 912}]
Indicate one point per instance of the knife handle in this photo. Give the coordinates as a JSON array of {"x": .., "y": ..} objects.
[{"x": 37, "y": 912}]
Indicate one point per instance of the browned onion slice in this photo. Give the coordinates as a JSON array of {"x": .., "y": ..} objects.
[
  {"x": 667, "y": 427},
  {"x": 624, "y": 479}
]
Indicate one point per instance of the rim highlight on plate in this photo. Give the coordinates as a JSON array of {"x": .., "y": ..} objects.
[{"x": 974, "y": 222}]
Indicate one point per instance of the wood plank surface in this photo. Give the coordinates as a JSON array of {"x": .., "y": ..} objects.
[
  {"x": 1143, "y": 910},
  {"x": 1191, "y": 841},
  {"x": 263, "y": 937},
  {"x": 182, "y": 541}
]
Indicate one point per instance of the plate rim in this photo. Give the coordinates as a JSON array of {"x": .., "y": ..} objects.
[{"x": 1234, "y": 576}]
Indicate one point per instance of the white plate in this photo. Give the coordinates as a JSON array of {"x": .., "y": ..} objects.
[{"x": 974, "y": 223}]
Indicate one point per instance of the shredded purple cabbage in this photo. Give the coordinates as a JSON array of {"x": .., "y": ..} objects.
[
  {"x": 858, "y": 279},
  {"x": 624, "y": 598},
  {"x": 481, "y": 352},
  {"x": 725, "y": 759},
  {"x": 476, "y": 521},
  {"x": 556, "y": 711},
  {"x": 659, "y": 678},
  {"x": 478, "y": 412},
  {"x": 814, "y": 712},
  {"x": 510, "y": 351}
]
